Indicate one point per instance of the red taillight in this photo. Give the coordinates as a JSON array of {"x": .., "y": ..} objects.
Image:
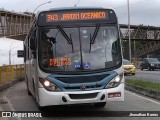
[{"x": 115, "y": 94}]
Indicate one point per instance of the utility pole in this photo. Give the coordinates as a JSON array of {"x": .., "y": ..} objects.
[
  {"x": 129, "y": 32},
  {"x": 10, "y": 51},
  {"x": 33, "y": 15},
  {"x": 41, "y": 5}
]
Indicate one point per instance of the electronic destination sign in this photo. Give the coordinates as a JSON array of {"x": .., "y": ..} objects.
[{"x": 75, "y": 16}]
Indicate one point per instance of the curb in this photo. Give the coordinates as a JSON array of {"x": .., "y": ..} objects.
[
  {"x": 9, "y": 84},
  {"x": 143, "y": 91}
]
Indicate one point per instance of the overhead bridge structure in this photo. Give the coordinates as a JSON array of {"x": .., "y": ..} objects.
[
  {"x": 140, "y": 32},
  {"x": 151, "y": 34},
  {"x": 16, "y": 26}
]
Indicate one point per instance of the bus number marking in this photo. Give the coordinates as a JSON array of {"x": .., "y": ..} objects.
[{"x": 52, "y": 17}]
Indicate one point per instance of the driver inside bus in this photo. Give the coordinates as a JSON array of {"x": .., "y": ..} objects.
[{"x": 48, "y": 50}]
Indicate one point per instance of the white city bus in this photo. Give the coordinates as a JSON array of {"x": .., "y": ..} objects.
[{"x": 73, "y": 56}]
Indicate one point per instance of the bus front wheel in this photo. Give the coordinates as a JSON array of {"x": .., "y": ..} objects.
[{"x": 29, "y": 93}]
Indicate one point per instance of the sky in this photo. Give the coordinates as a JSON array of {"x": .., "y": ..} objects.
[
  {"x": 144, "y": 12},
  {"x": 13, "y": 45}
]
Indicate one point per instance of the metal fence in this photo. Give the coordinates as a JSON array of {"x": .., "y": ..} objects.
[{"x": 11, "y": 72}]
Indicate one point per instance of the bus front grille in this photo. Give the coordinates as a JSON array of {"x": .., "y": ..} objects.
[
  {"x": 79, "y": 88},
  {"x": 83, "y": 96},
  {"x": 82, "y": 79}
]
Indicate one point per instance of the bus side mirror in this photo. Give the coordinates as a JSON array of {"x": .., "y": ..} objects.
[{"x": 32, "y": 44}]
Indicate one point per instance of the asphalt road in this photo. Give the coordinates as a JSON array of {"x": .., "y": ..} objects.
[
  {"x": 153, "y": 76},
  {"x": 18, "y": 100}
]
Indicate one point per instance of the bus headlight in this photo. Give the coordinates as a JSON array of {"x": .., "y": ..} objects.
[
  {"x": 115, "y": 81},
  {"x": 48, "y": 85}
]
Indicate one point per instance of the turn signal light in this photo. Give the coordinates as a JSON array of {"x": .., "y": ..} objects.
[{"x": 116, "y": 94}]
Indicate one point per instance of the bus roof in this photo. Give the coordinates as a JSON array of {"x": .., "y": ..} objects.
[
  {"x": 66, "y": 14},
  {"x": 71, "y": 8}
]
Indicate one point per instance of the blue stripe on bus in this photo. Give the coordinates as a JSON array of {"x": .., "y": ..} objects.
[{"x": 76, "y": 86}]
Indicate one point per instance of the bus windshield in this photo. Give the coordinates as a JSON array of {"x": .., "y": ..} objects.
[{"x": 79, "y": 48}]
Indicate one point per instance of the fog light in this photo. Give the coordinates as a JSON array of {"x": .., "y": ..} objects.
[
  {"x": 116, "y": 94},
  {"x": 64, "y": 99},
  {"x": 103, "y": 96}
]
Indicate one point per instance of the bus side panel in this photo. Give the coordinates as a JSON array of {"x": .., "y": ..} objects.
[{"x": 27, "y": 75}]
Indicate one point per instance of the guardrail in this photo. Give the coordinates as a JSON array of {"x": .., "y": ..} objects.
[{"x": 11, "y": 72}]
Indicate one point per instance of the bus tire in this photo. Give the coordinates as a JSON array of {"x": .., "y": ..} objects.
[
  {"x": 149, "y": 68},
  {"x": 42, "y": 108},
  {"x": 101, "y": 104},
  {"x": 141, "y": 67},
  {"x": 29, "y": 93},
  {"x": 133, "y": 73}
]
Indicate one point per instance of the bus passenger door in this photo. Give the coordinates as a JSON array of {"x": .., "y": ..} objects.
[
  {"x": 27, "y": 66},
  {"x": 30, "y": 65}
]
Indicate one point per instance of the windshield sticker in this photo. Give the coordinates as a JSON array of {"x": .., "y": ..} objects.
[
  {"x": 87, "y": 65},
  {"x": 77, "y": 65},
  {"x": 84, "y": 33},
  {"x": 85, "y": 36},
  {"x": 76, "y": 59},
  {"x": 60, "y": 62}
]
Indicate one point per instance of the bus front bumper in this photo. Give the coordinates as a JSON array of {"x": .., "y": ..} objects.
[{"x": 47, "y": 98}]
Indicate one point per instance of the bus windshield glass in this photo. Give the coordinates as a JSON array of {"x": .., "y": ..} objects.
[{"x": 79, "y": 48}]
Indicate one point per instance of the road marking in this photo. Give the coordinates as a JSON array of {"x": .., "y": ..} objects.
[
  {"x": 143, "y": 97},
  {"x": 10, "y": 104},
  {"x": 3, "y": 118}
]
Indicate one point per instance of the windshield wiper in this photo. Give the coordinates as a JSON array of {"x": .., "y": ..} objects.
[
  {"x": 94, "y": 36},
  {"x": 66, "y": 36}
]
